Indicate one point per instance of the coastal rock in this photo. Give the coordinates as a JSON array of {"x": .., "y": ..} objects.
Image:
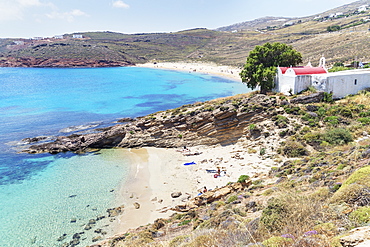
[
  {"x": 112, "y": 212},
  {"x": 159, "y": 223},
  {"x": 58, "y": 63},
  {"x": 61, "y": 238},
  {"x": 358, "y": 237},
  {"x": 223, "y": 125},
  {"x": 97, "y": 238},
  {"x": 136, "y": 205},
  {"x": 176, "y": 194},
  {"x": 211, "y": 196}
]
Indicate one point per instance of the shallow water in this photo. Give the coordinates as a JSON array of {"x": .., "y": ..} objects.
[{"x": 40, "y": 194}]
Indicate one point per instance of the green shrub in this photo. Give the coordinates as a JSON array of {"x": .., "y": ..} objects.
[
  {"x": 354, "y": 188},
  {"x": 232, "y": 198},
  {"x": 338, "y": 68},
  {"x": 345, "y": 112},
  {"x": 184, "y": 222},
  {"x": 273, "y": 215},
  {"x": 333, "y": 28},
  {"x": 252, "y": 127},
  {"x": 337, "y": 136},
  {"x": 294, "y": 149},
  {"x": 321, "y": 112},
  {"x": 305, "y": 130},
  {"x": 277, "y": 242},
  {"x": 333, "y": 120},
  {"x": 361, "y": 176},
  {"x": 338, "y": 64},
  {"x": 243, "y": 178},
  {"x": 313, "y": 138},
  {"x": 364, "y": 120},
  {"x": 361, "y": 215},
  {"x": 364, "y": 114},
  {"x": 328, "y": 97},
  {"x": 280, "y": 121}
]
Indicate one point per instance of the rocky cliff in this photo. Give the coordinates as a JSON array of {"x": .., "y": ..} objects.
[{"x": 216, "y": 122}]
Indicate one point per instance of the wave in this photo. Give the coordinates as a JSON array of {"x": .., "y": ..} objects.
[{"x": 79, "y": 127}]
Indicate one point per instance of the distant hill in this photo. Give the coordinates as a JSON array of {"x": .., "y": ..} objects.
[
  {"x": 271, "y": 21},
  {"x": 256, "y": 24},
  {"x": 341, "y": 34}
]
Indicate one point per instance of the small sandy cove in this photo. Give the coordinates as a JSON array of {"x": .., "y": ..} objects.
[
  {"x": 204, "y": 68},
  {"x": 156, "y": 173}
]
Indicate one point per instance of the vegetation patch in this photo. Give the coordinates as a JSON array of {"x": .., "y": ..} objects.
[
  {"x": 361, "y": 215},
  {"x": 356, "y": 189}
]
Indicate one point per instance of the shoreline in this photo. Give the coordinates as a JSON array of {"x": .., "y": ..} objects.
[
  {"x": 155, "y": 173},
  {"x": 203, "y": 68}
]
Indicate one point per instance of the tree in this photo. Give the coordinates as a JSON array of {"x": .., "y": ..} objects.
[
  {"x": 262, "y": 62},
  {"x": 333, "y": 28}
]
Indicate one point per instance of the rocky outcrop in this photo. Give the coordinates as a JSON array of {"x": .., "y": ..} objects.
[
  {"x": 59, "y": 63},
  {"x": 211, "y": 196},
  {"x": 359, "y": 237},
  {"x": 213, "y": 123},
  {"x": 307, "y": 99}
]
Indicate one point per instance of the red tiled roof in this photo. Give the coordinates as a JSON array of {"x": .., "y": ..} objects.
[{"x": 304, "y": 70}]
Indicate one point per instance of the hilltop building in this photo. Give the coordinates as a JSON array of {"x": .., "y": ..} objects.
[
  {"x": 77, "y": 36},
  {"x": 296, "y": 79}
]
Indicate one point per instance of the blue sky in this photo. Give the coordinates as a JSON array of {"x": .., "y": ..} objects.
[{"x": 46, "y": 18}]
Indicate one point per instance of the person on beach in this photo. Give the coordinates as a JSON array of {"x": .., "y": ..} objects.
[{"x": 204, "y": 189}]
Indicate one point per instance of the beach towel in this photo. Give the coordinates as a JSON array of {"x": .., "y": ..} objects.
[{"x": 191, "y": 163}]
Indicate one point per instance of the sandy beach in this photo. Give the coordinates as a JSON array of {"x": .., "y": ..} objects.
[
  {"x": 205, "y": 68},
  {"x": 158, "y": 172}
]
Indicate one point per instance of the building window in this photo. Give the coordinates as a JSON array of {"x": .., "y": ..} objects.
[{"x": 355, "y": 81}]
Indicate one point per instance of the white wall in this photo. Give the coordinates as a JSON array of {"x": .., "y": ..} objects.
[
  {"x": 341, "y": 84},
  {"x": 286, "y": 83},
  {"x": 302, "y": 82}
]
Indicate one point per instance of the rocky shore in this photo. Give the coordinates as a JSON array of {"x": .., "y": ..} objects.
[
  {"x": 222, "y": 121},
  {"x": 59, "y": 63}
]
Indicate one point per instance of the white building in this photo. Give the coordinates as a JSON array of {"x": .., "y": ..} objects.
[
  {"x": 18, "y": 42},
  {"x": 77, "y": 36},
  {"x": 342, "y": 83},
  {"x": 362, "y": 8},
  {"x": 296, "y": 79}
]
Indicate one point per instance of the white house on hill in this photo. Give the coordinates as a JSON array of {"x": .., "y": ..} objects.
[{"x": 296, "y": 79}]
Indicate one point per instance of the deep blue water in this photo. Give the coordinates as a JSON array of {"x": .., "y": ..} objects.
[{"x": 52, "y": 102}]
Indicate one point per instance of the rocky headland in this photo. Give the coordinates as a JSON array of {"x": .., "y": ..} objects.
[
  {"x": 59, "y": 63},
  {"x": 222, "y": 121}
]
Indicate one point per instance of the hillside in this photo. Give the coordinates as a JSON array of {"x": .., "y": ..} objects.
[
  {"x": 345, "y": 42},
  {"x": 316, "y": 192}
]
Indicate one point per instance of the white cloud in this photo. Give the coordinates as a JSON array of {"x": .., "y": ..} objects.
[
  {"x": 69, "y": 16},
  {"x": 120, "y": 4},
  {"x": 15, "y": 10},
  {"x": 26, "y": 3}
]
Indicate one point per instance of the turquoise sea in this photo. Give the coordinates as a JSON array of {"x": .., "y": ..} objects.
[{"x": 44, "y": 197}]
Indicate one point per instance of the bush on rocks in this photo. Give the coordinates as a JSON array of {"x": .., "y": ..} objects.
[{"x": 356, "y": 189}]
